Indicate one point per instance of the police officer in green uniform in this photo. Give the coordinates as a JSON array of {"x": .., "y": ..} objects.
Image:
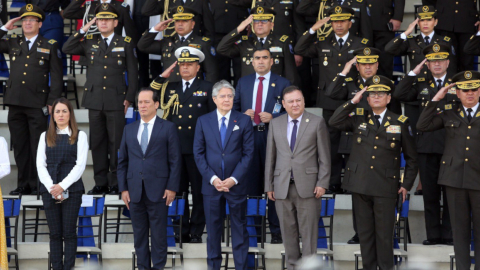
[
  {"x": 34, "y": 61},
  {"x": 280, "y": 47},
  {"x": 333, "y": 53},
  {"x": 459, "y": 166},
  {"x": 107, "y": 96},
  {"x": 184, "y": 36},
  {"x": 372, "y": 173},
  {"x": 182, "y": 103}
]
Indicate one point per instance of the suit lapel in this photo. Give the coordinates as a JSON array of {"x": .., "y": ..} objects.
[
  {"x": 303, "y": 126},
  {"x": 231, "y": 123},
  {"x": 214, "y": 127},
  {"x": 35, "y": 45},
  {"x": 112, "y": 44},
  {"x": 284, "y": 128},
  {"x": 270, "y": 98},
  {"x": 23, "y": 44},
  {"x": 385, "y": 121},
  {"x": 155, "y": 132},
  {"x": 137, "y": 124},
  {"x": 249, "y": 94}
]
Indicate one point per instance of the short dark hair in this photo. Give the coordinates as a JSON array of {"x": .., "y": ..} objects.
[
  {"x": 262, "y": 49},
  {"x": 155, "y": 96},
  {"x": 290, "y": 89}
]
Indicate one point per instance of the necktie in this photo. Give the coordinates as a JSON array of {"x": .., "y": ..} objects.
[
  {"x": 187, "y": 86},
  {"x": 378, "y": 119},
  {"x": 258, "y": 103},
  {"x": 182, "y": 39},
  {"x": 293, "y": 139},
  {"x": 144, "y": 140},
  {"x": 340, "y": 42},
  {"x": 28, "y": 44},
  {"x": 261, "y": 42},
  {"x": 469, "y": 114},
  {"x": 223, "y": 132},
  {"x": 106, "y": 42},
  {"x": 427, "y": 40},
  {"x": 439, "y": 84}
]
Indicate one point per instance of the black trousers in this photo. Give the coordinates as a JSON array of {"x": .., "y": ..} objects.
[
  {"x": 464, "y": 206},
  {"x": 149, "y": 217},
  {"x": 375, "y": 223},
  {"x": 26, "y": 125},
  {"x": 337, "y": 159},
  {"x": 437, "y": 224},
  {"x": 192, "y": 178},
  {"x": 464, "y": 61},
  {"x": 106, "y": 129},
  {"x": 62, "y": 223},
  {"x": 380, "y": 39}
]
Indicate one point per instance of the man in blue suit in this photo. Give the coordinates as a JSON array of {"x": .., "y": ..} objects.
[
  {"x": 259, "y": 96},
  {"x": 149, "y": 177},
  {"x": 223, "y": 151}
]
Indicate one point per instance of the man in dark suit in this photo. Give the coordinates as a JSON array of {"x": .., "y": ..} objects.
[
  {"x": 430, "y": 145},
  {"x": 223, "y": 150},
  {"x": 372, "y": 173},
  {"x": 33, "y": 61},
  {"x": 262, "y": 106},
  {"x": 183, "y": 103},
  {"x": 459, "y": 164},
  {"x": 149, "y": 165},
  {"x": 107, "y": 95}
]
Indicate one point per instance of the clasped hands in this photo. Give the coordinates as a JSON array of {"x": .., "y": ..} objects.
[
  {"x": 56, "y": 190},
  {"x": 223, "y": 186}
]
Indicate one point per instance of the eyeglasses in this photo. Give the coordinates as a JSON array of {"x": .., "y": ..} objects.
[
  {"x": 437, "y": 61},
  {"x": 468, "y": 90},
  {"x": 377, "y": 94},
  {"x": 225, "y": 96},
  {"x": 29, "y": 20},
  {"x": 261, "y": 21}
]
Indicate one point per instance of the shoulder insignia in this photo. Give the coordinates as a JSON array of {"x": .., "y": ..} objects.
[
  {"x": 321, "y": 38},
  {"x": 410, "y": 36},
  {"x": 448, "y": 106},
  {"x": 359, "y": 1},
  {"x": 52, "y": 41},
  {"x": 128, "y": 39},
  {"x": 124, "y": 4},
  {"x": 13, "y": 36},
  {"x": 90, "y": 36},
  {"x": 244, "y": 37},
  {"x": 238, "y": 42},
  {"x": 421, "y": 79},
  {"x": 205, "y": 39},
  {"x": 364, "y": 41},
  {"x": 402, "y": 118},
  {"x": 359, "y": 111},
  {"x": 283, "y": 38},
  {"x": 446, "y": 38},
  {"x": 348, "y": 79}
]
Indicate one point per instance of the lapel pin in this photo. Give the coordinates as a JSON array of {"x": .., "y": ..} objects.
[
  {"x": 308, "y": 120},
  {"x": 273, "y": 85}
]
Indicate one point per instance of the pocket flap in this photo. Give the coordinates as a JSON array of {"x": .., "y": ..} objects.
[
  {"x": 394, "y": 136},
  {"x": 276, "y": 172},
  {"x": 452, "y": 123},
  {"x": 362, "y": 132}
]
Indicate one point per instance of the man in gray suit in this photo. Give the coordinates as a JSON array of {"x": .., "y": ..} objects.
[{"x": 297, "y": 173}]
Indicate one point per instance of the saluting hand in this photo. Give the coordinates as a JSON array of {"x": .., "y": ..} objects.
[
  {"x": 245, "y": 23},
  {"x": 477, "y": 24},
  {"x": 169, "y": 70},
  {"x": 162, "y": 25},
  {"x": 442, "y": 92},
  {"x": 88, "y": 25},
  {"x": 10, "y": 24},
  {"x": 411, "y": 27},
  {"x": 359, "y": 95},
  {"x": 320, "y": 23},
  {"x": 419, "y": 67},
  {"x": 348, "y": 66}
]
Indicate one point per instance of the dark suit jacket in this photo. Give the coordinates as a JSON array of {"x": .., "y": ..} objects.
[
  {"x": 244, "y": 93},
  {"x": 237, "y": 154},
  {"x": 158, "y": 169}
]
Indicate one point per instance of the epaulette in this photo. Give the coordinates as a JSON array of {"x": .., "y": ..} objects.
[
  {"x": 359, "y": 1},
  {"x": 244, "y": 37},
  {"x": 448, "y": 106},
  {"x": 410, "y": 36},
  {"x": 365, "y": 41},
  {"x": 402, "y": 118},
  {"x": 205, "y": 39},
  {"x": 283, "y": 38},
  {"x": 128, "y": 39},
  {"x": 359, "y": 111},
  {"x": 446, "y": 38},
  {"x": 52, "y": 41},
  {"x": 90, "y": 36},
  {"x": 321, "y": 38},
  {"x": 348, "y": 79},
  {"x": 421, "y": 79}
]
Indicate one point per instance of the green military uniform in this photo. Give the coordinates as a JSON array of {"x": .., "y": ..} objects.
[
  {"x": 459, "y": 167},
  {"x": 372, "y": 173},
  {"x": 106, "y": 90}
]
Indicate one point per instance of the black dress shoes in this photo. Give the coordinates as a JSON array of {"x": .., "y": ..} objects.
[
  {"x": 431, "y": 242},
  {"x": 354, "y": 240},
  {"x": 185, "y": 238},
  {"x": 97, "y": 190},
  {"x": 448, "y": 242},
  {"x": 335, "y": 189},
  {"x": 276, "y": 238},
  {"x": 34, "y": 191},
  {"x": 21, "y": 191},
  {"x": 114, "y": 190},
  {"x": 195, "y": 239}
]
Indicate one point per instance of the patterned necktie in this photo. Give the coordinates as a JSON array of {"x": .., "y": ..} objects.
[
  {"x": 223, "y": 132},
  {"x": 340, "y": 42},
  {"x": 259, "y": 101},
  {"x": 469, "y": 114},
  {"x": 293, "y": 140},
  {"x": 378, "y": 120},
  {"x": 427, "y": 40},
  {"x": 144, "y": 140}
]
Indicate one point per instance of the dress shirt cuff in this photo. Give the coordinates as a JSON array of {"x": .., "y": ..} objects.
[
  {"x": 234, "y": 180},
  {"x": 340, "y": 74},
  {"x": 411, "y": 73},
  {"x": 3, "y": 28},
  {"x": 403, "y": 36},
  {"x": 152, "y": 30},
  {"x": 478, "y": 33},
  {"x": 81, "y": 31},
  {"x": 311, "y": 31},
  {"x": 212, "y": 179}
]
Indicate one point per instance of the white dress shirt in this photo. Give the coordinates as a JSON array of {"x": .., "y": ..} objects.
[
  {"x": 77, "y": 170},
  {"x": 474, "y": 109},
  {"x": 290, "y": 127},
  {"x": 184, "y": 86},
  {"x": 4, "y": 160},
  {"x": 142, "y": 127},
  {"x": 227, "y": 118},
  {"x": 381, "y": 115},
  {"x": 345, "y": 38},
  {"x": 403, "y": 36},
  {"x": 265, "y": 84},
  {"x": 411, "y": 73}
]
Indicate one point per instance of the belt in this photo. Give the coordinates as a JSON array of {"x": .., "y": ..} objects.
[
  {"x": 260, "y": 128},
  {"x": 292, "y": 181}
]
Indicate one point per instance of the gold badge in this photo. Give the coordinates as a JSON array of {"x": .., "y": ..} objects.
[
  {"x": 436, "y": 48},
  {"x": 359, "y": 111},
  {"x": 105, "y": 6},
  {"x": 180, "y": 9},
  {"x": 359, "y": 140},
  {"x": 387, "y": 124},
  {"x": 338, "y": 9},
  {"x": 247, "y": 62},
  {"x": 260, "y": 10},
  {"x": 13, "y": 58},
  {"x": 392, "y": 145},
  {"x": 468, "y": 75},
  {"x": 425, "y": 8},
  {"x": 29, "y": 7},
  {"x": 367, "y": 51},
  {"x": 376, "y": 79},
  {"x": 371, "y": 122},
  {"x": 308, "y": 120}
]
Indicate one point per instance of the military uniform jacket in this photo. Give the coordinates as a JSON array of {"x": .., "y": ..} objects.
[
  {"x": 457, "y": 16},
  {"x": 77, "y": 9},
  {"x": 361, "y": 24},
  {"x": 227, "y": 16},
  {"x": 374, "y": 165},
  {"x": 195, "y": 102},
  {"x": 411, "y": 88},
  {"x": 413, "y": 47},
  {"x": 287, "y": 21},
  {"x": 381, "y": 11},
  {"x": 30, "y": 69},
  {"x": 460, "y": 166},
  {"x": 204, "y": 23},
  {"x": 473, "y": 45},
  {"x": 106, "y": 86},
  {"x": 281, "y": 48},
  {"x": 167, "y": 46},
  {"x": 332, "y": 60}
]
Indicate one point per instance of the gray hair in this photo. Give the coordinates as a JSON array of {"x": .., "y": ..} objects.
[{"x": 222, "y": 84}]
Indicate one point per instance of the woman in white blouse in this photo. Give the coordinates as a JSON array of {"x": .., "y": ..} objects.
[{"x": 61, "y": 159}]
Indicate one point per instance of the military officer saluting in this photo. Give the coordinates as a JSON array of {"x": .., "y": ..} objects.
[
  {"x": 372, "y": 173},
  {"x": 183, "y": 18},
  {"x": 107, "y": 95},
  {"x": 34, "y": 61},
  {"x": 459, "y": 164},
  {"x": 182, "y": 103},
  {"x": 280, "y": 47}
]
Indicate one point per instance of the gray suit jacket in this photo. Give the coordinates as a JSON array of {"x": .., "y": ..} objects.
[{"x": 310, "y": 159}]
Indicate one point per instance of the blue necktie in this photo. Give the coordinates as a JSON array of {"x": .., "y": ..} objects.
[
  {"x": 223, "y": 132},
  {"x": 293, "y": 139},
  {"x": 144, "y": 141}
]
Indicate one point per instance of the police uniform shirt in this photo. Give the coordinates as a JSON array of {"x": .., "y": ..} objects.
[
  {"x": 152, "y": 30},
  {"x": 382, "y": 115},
  {"x": 474, "y": 110},
  {"x": 142, "y": 127},
  {"x": 265, "y": 84}
]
